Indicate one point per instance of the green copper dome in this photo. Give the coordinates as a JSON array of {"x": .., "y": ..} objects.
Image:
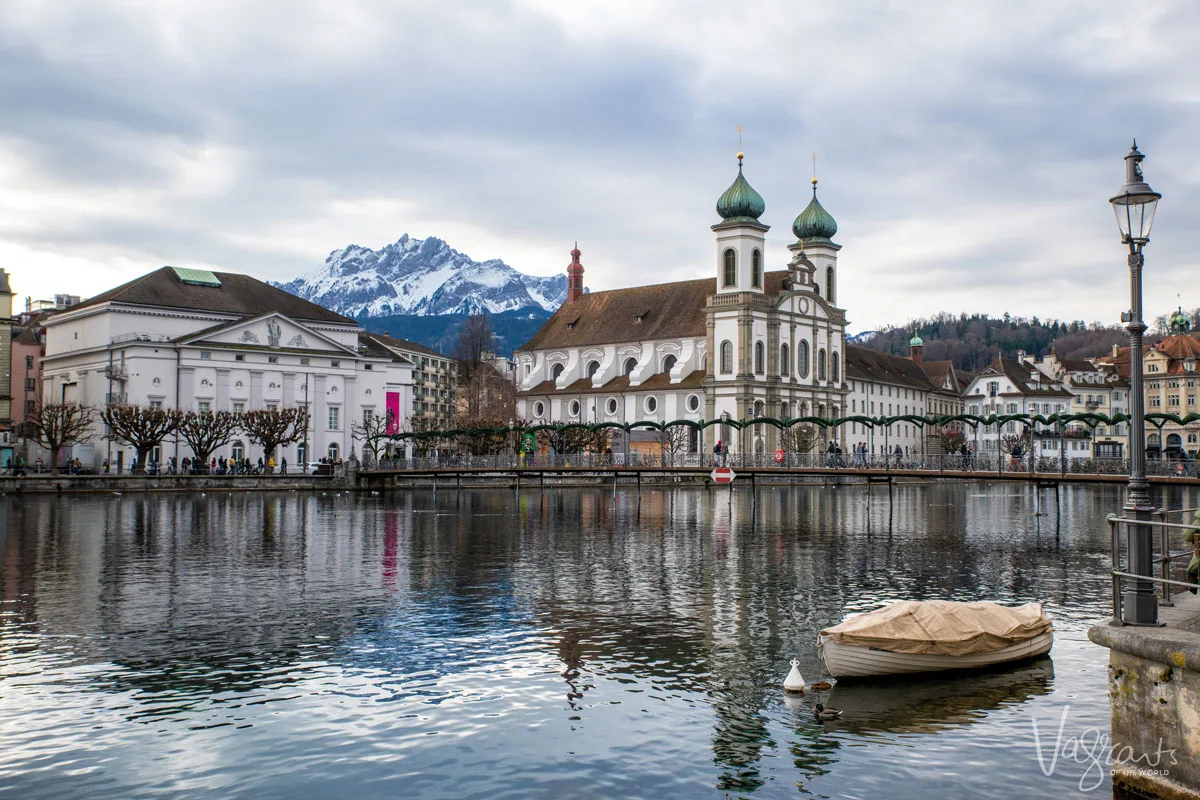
[
  {"x": 915, "y": 341},
  {"x": 741, "y": 203},
  {"x": 814, "y": 222},
  {"x": 1180, "y": 322}
]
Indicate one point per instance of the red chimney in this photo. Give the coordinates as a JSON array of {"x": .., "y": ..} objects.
[{"x": 574, "y": 276}]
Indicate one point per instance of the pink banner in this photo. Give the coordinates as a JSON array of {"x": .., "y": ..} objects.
[{"x": 393, "y": 412}]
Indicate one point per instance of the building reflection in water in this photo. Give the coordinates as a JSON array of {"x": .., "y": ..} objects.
[{"x": 696, "y": 599}]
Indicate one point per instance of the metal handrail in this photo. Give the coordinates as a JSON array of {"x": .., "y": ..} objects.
[
  {"x": 1164, "y": 561},
  {"x": 1153, "y": 579}
]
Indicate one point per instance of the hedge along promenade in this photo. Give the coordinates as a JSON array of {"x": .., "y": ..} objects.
[{"x": 1091, "y": 419}]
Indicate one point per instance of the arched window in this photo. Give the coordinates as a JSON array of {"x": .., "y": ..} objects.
[
  {"x": 821, "y": 364},
  {"x": 669, "y": 363},
  {"x": 630, "y": 366},
  {"x": 592, "y": 368},
  {"x": 785, "y": 363},
  {"x": 730, "y": 268},
  {"x": 835, "y": 367},
  {"x": 759, "y": 358},
  {"x": 802, "y": 359},
  {"x": 334, "y": 451},
  {"x": 829, "y": 285},
  {"x": 726, "y": 357},
  {"x": 756, "y": 270},
  {"x": 238, "y": 451},
  {"x": 784, "y": 408},
  {"x": 555, "y": 371}
]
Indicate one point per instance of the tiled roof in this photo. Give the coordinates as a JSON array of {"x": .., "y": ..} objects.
[
  {"x": 370, "y": 346},
  {"x": 666, "y": 311},
  {"x": 864, "y": 364},
  {"x": 943, "y": 376},
  {"x": 1178, "y": 348},
  {"x": 27, "y": 335},
  {"x": 404, "y": 344},
  {"x": 237, "y": 294},
  {"x": 1023, "y": 379},
  {"x": 1076, "y": 365},
  {"x": 656, "y": 382}
]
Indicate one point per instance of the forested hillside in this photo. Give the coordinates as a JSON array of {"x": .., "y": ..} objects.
[{"x": 973, "y": 341}]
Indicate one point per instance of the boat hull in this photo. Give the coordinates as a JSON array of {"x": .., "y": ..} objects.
[{"x": 852, "y": 661}]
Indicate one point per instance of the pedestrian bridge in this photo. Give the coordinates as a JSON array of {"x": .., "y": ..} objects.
[{"x": 585, "y": 469}]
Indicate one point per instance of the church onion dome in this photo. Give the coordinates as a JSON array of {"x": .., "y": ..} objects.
[
  {"x": 740, "y": 203},
  {"x": 915, "y": 341},
  {"x": 814, "y": 224},
  {"x": 1180, "y": 322}
]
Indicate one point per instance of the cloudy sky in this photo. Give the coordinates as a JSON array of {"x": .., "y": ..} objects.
[{"x": 967, "y": 150}]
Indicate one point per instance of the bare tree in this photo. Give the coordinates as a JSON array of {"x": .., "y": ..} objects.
[
  {"x": 568, "y": 441},
  {"x": 671, "y": 441},
  {"x": 1023, "y": 440},
  {"x": 273, "y": 427},
  {"x": 205, "y": 431},
  {"x": 488, "y": 394},
  {"x": 142, "y": 428},
  {"x": 56, "y": 425},
  {"x": 951, "y": 439},
  {"x": 372, "y": 431},
  {"x": 798, "y": 439},
  {"x": 474, "y": 343}
]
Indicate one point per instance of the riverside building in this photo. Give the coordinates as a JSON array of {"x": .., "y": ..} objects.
[
  {"x": 211, "y": 341},
  {"x": 741, "y": 343}
]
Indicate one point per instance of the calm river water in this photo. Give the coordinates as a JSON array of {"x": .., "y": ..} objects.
[{"x": 571, "y": 644}]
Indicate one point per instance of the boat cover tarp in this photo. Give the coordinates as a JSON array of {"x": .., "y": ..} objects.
[{"x": 942, "y": 627}]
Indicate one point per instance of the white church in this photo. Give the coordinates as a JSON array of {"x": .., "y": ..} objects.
[{"x": 742, "y": 343}]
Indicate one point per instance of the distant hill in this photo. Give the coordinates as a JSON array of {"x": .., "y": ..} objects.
[
  {"x": 973, "y": 341},
  {"x": 511, "y": 328}
]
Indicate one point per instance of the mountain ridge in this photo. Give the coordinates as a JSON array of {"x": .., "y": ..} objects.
[{"x": 422, "y": 277}]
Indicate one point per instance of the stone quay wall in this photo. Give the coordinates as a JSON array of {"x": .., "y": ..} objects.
[{"x": 1154, "y": 694}]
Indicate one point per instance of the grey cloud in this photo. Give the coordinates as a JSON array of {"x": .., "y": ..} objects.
[{"x": 514, "y": 126}]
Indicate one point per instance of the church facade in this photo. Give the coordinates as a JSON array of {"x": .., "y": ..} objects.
[{"x": 744, "y": 342}]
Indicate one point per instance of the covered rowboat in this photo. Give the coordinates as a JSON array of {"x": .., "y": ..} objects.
[{"x": 914, "y": 636}]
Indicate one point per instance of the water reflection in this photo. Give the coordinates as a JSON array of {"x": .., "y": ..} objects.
[{"x": 454, "y": 645}]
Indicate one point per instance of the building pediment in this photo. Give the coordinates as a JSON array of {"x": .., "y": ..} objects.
[{"x": 270, "y": 331}]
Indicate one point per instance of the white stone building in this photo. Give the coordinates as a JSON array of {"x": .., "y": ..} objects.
[
  {"x": 743, "y": 343},
  {"x": 198, "y": 340},
  {"x": 883, "y": 385},
  {"x": 1014, "y": 386}
]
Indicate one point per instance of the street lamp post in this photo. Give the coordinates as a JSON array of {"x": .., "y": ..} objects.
[{"x": 1134, "y": 206}]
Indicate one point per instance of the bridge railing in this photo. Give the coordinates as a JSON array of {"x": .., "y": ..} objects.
[{"x": 843, "y": 462}]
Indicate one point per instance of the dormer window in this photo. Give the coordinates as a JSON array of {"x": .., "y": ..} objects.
[
  {"x": 1189, "y": 365},
  {"x": 638, "y": 318}
]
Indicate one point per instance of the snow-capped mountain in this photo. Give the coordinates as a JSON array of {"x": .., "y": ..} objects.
[{"x": 424, "y": 277}]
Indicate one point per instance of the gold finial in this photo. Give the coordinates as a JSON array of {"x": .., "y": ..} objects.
[{"x": 741, "y": 155}]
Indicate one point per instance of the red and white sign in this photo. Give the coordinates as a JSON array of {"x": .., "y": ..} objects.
[
  {"x": 778, "y": 456},
  {"x": 722, "y": 475}
]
